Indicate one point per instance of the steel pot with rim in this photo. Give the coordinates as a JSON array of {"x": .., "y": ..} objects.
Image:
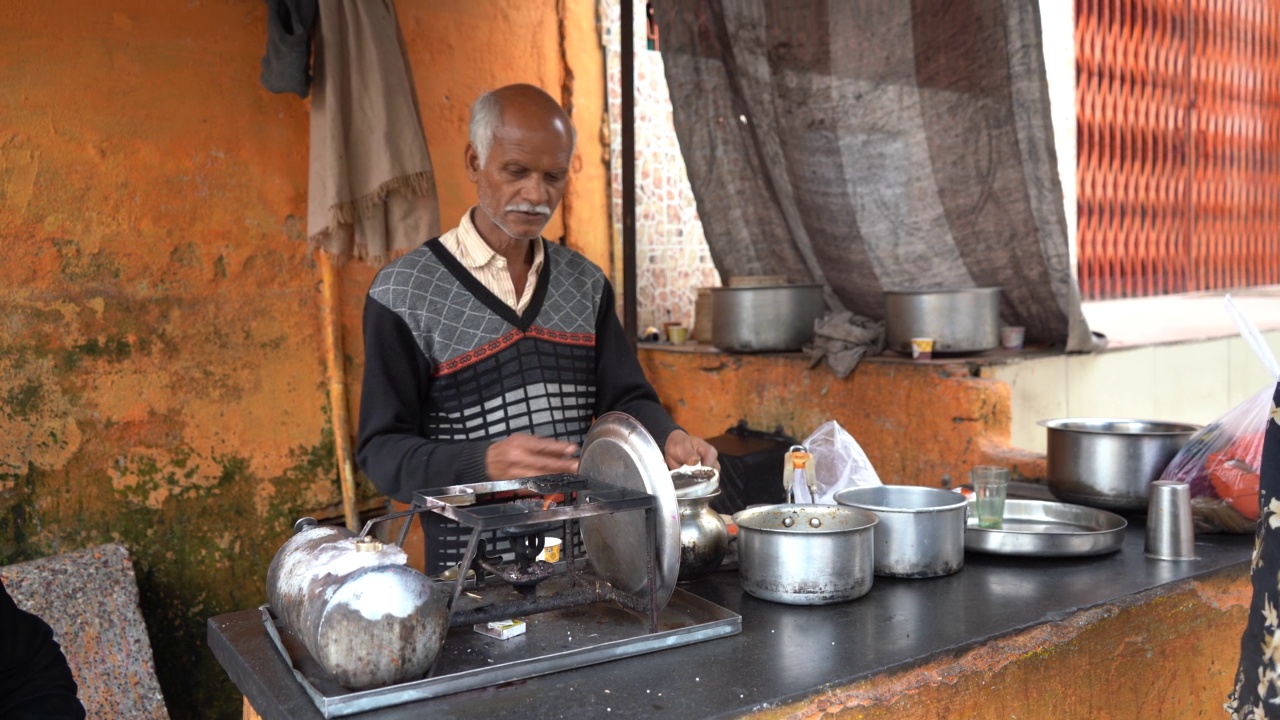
[
  {"x": 806, "y": 554},
  {"x": 1110, "y": 463},
  {"x": 766, "y": 318},
  {"x": 921, "y": 529},
  {"x": 959, "y": 320}
]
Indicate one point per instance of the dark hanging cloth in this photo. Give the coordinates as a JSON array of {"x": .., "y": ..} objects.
[
  {"x": 876, "y": 145},
  {"x": 1257, "y": 691},
  {"x": 35, "y": 680},
  {"x": 286, "y": 66}
]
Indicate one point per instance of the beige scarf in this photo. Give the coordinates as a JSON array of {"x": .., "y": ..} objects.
[{"x": 372, "y": 192}]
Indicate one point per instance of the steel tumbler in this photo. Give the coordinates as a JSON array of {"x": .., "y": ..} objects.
[{"x": 1170, "y": 535}]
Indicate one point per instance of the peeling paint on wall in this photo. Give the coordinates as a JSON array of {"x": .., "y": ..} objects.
[{"x": 161, "y": 377}]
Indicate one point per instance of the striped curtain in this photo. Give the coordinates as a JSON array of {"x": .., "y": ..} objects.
[{"x": 876, "y": 145}]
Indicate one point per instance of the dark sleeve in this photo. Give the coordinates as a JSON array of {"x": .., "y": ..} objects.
[
  {"x": 391, "y": 448},
  {"x": 620, "y": 382},
  {"x": 35, "y": 680}
]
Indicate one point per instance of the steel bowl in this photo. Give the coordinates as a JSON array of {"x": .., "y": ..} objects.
[
  {"x": 959, "y": 321},
  {"x": 1110, "y": 463},
  {"x": 921, "y": 529},
  {"x": 768, "y": 318},
  {"x": 806, "y": 554}
]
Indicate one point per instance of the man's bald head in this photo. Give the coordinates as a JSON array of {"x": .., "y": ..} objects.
[{"x": 522, "y": 104}]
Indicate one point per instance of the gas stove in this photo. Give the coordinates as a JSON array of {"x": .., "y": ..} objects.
[{"x": 618, "y": 600}]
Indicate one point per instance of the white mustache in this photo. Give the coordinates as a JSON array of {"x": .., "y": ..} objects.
[{"x": 528, "y": 208}]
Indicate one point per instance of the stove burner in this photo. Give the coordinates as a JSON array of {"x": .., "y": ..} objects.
[
  {"x": 525, "y": 510},
  {"x": 524, "y": 574}
]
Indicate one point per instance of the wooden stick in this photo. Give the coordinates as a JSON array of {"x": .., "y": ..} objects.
[{"x": 335, "y": 368}]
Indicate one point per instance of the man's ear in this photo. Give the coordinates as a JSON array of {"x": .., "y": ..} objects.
[{"x": 471, "y": 159}]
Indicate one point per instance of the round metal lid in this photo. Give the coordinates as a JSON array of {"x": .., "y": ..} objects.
[{"x": 619, "y": 451}]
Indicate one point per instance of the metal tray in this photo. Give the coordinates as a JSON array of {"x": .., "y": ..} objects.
[
  {"x": 554, "y": 641},
  {"x": 1047, "y": 529}
]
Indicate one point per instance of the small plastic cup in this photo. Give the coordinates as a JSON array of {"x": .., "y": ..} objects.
[
  {"x": 1011, "y": 337},
  {"x": 677, "y": 334},
  {"x": 990, "y": 485},
  {"x": 921, "y": 348},
  {"x": 550, "y": 550}
]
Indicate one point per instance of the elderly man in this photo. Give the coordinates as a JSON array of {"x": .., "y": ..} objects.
[{"x": 489, "y": 351}]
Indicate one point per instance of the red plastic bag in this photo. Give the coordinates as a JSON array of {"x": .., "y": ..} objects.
[{"x": 1221, "y": 461}]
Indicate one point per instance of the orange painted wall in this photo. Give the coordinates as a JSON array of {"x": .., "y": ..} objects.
[{"x": 161, "y": 376}]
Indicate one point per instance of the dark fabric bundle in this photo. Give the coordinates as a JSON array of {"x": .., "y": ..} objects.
[{"x": 286, "y": 66}]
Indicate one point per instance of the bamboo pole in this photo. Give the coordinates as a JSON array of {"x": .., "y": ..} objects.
[{"x": 335, "y": 369}]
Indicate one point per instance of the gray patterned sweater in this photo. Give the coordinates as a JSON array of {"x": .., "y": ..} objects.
[{"x": 450, "y": 368}]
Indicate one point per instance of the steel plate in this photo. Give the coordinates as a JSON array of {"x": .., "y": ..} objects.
[
  {"x": 619, "y": 451},
  {"x": 1047, "y": 529}
]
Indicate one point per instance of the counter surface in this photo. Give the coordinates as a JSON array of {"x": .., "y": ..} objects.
[{"x": 784, "y": 653}]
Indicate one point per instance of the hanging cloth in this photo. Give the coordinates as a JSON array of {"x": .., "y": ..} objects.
[
  {"x": 372, "y": 192},
  {"x": 286, "y": 66}
]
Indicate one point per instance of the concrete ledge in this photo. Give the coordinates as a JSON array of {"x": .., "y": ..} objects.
[
  {"x": 1168, "y": 652},
  {"x": 90, "y": 599},
  {"x": 895, "y": 406},
  {"x": 920, "y": 423}
]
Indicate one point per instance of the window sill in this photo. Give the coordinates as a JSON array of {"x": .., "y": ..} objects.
[{"x": 1170, "y": 319}]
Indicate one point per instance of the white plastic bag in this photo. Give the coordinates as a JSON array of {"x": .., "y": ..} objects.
[{"x": 838, "y": 463}]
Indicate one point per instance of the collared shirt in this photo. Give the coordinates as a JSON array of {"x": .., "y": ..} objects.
[{"x": 490, "y": 268}]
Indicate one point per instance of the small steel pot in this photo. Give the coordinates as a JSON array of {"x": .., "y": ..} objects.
[
  {"x": 959, "y": 321},
  {"x": 806, "y": 554},
  {"x": 1110, "y": 462},
  {"x": 921, "y": 530}
]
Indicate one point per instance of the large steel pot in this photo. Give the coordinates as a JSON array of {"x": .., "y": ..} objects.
[
  {"x": 1110, "y": 462},
  {"x": 921, "y": 530},
  {"x": 366, "y": 617},
  {"x": 959, "y": 321},
  {"x": 806, "y": 554},
  {"x": 770, "y": 318}
]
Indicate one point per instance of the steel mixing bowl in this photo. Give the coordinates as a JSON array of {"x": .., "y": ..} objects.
[{"x": 1110, "y": 463}]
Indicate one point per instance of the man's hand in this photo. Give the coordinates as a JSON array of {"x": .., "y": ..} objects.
[
  {"x": 522, "y": 456},
  {"x": 684, "y": 449}
]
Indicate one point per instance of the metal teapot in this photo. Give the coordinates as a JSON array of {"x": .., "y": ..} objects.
[{"x": 704, "y": 539}]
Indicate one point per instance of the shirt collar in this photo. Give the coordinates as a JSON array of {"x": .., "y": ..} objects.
[{"x": 476, "y": 253}]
